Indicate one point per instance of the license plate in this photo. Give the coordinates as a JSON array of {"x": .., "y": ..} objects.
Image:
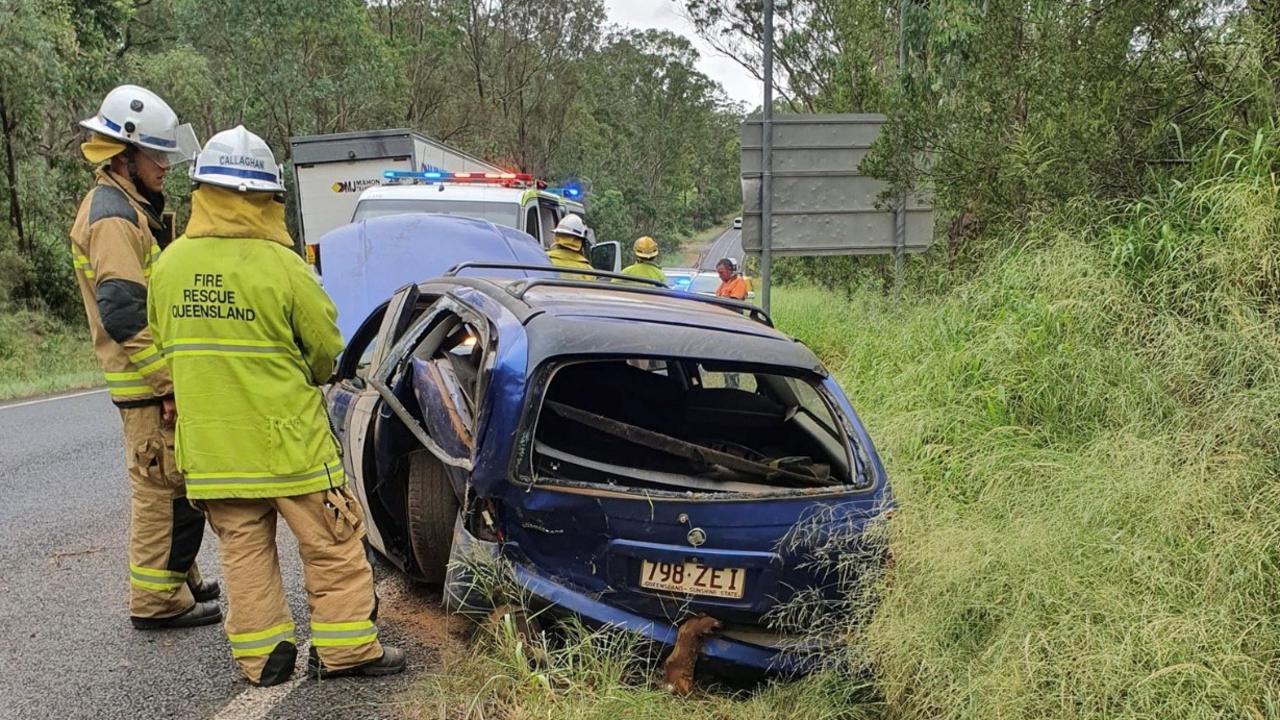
[{"x": 693, "y": 578}]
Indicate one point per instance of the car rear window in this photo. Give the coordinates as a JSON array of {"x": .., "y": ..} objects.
[{"x": 684, "y": 426}]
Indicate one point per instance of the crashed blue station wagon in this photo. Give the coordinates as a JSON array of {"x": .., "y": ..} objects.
[{"x": 636, "y": 455}]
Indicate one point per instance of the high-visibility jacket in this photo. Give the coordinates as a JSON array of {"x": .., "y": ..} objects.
[
  {"x": 113, "y": 249},
  {"x": 735, "y": 288},
  {"x": 566, "y": 258},
  {"x": 645, "y": 269},
  {"x": 249, "y": 336}
]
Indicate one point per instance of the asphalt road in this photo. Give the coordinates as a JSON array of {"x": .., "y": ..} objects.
[
  {"x": 69, "y": 650},
  {"x": 727, "y": 245}
]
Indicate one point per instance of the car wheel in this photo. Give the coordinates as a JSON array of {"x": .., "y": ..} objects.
[{"x": 432, "y": 509}]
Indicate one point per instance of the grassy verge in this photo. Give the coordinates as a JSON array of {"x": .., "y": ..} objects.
[
  {"x": 1083, "y": 434},
  {"x": 40, "y": 355}
]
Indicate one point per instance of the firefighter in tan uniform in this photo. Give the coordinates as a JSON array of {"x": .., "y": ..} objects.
[
  {"x": 250, "y": 336},
  {"x": 134, "y": 138}
]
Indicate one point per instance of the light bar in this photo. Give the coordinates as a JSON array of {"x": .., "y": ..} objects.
[
  {"x": 569, "y": 192},
  {"x": 412, "y": 175},
  {"x": 504, "y": 178}
]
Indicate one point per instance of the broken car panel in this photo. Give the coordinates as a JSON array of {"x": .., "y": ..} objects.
[{"x": 638, "y": 457}]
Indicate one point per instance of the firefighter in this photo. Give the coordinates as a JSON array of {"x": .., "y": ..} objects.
[
  {"x": 134, "y": 139},
  {"x": 567, "y": 251},
  {"x": 250, "y": 336},
  {"x": 732, "y": 285},
  {"x": 646, "y": 251}
]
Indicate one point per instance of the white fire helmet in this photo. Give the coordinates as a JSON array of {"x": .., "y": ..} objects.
[
  {"x": 572, "y": 226},
  {"x": 137, "y": 116},
  {"x": 239, "y": 160}
]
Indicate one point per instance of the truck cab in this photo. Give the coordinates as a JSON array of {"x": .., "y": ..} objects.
[
  {"x": 533, "y": 211},
  {"x": 507, "y": 203}
]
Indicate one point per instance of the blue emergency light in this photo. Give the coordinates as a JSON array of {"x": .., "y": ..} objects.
[
  {"x": 413, "y": 175},
  {"x": 569, "y": 192}
]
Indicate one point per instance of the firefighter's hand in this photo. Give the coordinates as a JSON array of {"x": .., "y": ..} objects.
[{"x": 168, "y": 411}]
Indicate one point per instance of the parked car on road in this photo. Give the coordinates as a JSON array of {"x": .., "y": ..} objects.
[
  {"x": 679, "y": 278},
  {"x": 634, "y": 454}
]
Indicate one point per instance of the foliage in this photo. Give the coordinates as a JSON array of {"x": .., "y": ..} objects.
[
  {"x": 1011, "y": 110},
  {"x": 41, "y": 354},
  {"x": 1082, "y": 439},
  {"x": 543, "y": 87}
]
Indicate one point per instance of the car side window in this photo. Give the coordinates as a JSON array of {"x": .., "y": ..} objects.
[
  {"x": 720, "y": 379},
  {"x": 532, "y": 225},
  {"x": 359, "y": 353}
]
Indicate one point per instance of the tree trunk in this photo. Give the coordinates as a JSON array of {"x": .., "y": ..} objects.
[{"x": 7, "y": 126}]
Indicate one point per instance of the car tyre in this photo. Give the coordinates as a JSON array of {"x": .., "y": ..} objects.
[{"x": 432, "y": 509}]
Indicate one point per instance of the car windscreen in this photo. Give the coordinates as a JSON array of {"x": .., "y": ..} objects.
[
  {"x": 498, "y": 213},
  {"x": 706, "y": 283}
]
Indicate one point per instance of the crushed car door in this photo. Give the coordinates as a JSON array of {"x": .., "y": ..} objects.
[
  {"x": 443, "y": 358},
  {"x": 353, "y": 401}
]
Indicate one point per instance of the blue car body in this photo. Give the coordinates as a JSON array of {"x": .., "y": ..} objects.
[{"x": 579, "y": 526}]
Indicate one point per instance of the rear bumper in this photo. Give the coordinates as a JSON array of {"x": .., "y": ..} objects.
[{"x": 723, "y": 654}]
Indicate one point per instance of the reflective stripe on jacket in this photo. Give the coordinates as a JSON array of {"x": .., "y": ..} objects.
[
  {"x": 113, "y": 251},
  {"x": 249, "y": 336}
]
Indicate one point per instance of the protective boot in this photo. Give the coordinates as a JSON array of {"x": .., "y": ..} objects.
[
  {"x": 279, "y": 666},
  {"x": 202, "y": 613},
  {"x": 205, "y": 590},
  {"x": 391, "y": 663}
]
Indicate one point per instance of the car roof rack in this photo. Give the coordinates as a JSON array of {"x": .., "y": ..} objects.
[
  {"x": 518, "y": 288},
  {"x": 470, "y": 265}
]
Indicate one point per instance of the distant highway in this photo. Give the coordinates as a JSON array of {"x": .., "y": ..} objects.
[{"x": 727, "y": 245}]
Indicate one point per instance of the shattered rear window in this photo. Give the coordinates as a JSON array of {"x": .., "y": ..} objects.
[{"x": 684, "y": 426}]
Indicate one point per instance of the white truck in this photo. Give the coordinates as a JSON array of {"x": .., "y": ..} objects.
[
  {"x": 347, "y": 177},
  {"x": 330, "y": 171}
]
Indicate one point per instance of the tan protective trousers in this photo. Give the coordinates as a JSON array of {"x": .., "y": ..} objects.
[
  {"x": 329, "y": 526},
  {"x": 165, "y": 531}
]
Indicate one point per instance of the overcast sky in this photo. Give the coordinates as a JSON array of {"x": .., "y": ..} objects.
[{"x": 668, "y": 15}]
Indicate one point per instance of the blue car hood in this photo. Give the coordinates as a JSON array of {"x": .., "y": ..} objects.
[{"x": 365, "y": 262}]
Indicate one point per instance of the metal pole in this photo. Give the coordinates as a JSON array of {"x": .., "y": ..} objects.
[
  {"x": 900, "y": 214},
  {"x": 766, "y": 163}
]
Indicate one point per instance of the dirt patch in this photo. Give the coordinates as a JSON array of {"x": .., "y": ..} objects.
[{"x": 417, "y": 614}]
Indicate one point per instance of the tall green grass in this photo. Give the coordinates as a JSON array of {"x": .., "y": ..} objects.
[
  {"x": 1082, "y": 428},
  {"x": 1083, "y": 440},
  {"x": 40, "y": 354}
]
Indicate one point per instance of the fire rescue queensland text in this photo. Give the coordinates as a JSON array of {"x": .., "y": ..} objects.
[{"x": 206, "y": 297}]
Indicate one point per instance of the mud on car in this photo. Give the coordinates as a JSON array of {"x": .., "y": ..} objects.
[{"x": 635, "y": 455}]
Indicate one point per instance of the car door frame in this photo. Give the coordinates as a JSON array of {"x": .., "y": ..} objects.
[{"x": 396, "y": 359}]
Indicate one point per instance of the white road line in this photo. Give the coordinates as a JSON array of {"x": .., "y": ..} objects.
[
  {"x": 256, "y": 703},
  {"x": 51, "y": 399}
]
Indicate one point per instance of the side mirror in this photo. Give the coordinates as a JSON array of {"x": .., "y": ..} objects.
[{"x": 606, "y": 256}]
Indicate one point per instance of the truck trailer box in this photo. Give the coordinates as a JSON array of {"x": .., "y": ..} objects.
[{"x": 330, "y": 171}]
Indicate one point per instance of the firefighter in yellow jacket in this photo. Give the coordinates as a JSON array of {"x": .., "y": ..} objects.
[
  {"x": 645, "y": 266},
  {"x": 250, "y": 336},
  {"x": 569, "y": 246},
  {"x": 134, "y": 139}
]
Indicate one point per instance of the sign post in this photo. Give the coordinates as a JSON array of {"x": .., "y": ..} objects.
[
  {"x": 766, "y": 163},
  {"x": 819, "y": 201}
]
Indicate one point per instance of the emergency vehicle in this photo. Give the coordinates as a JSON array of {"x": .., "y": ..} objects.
[{"x": 507, "y": 199}]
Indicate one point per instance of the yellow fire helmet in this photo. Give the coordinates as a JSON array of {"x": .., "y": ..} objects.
[{"x": 646, "y": 248}]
